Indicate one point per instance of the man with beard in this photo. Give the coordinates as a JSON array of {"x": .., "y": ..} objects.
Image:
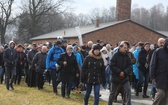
[
  {"x": 159, "y": 73},
  {"x": 10, "y": 59}
]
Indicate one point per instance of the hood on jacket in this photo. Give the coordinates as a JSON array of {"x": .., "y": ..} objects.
[
  {"x": 11, "y": 43},
  {"x": 166, "y": 44},
  {"x": 94, "y": 56},
  {"x": 104, "y": 48}
]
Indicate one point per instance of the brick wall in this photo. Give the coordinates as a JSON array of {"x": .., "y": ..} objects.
[
  {"x": 129, "y": 31},
  {"x": 123, "y": 10}
]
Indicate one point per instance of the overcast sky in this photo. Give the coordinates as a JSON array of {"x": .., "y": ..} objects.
[{"x": 85, "y": 6}]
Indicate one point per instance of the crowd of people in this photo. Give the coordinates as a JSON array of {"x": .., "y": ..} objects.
[{"x": 82, "y": 67}]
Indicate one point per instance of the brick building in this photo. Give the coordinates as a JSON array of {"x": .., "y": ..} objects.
[{"x": 122, "y": 29}]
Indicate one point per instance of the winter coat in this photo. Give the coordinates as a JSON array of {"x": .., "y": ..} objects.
[
  {"x": 52, "y": 57},
  {"x": 1, "y": 59},
  {"x": 135, "y": 66},
  {"x": 78, "y": 58},
  {"x": 93, "y": 70},
  {"x": 142, "y": 60},
  {"x": 120, "y": 63},
  {"x": 159, "y": 67},
  {"x": 39, "y": 61},
  {"x": 68, "y": 72},
  {"x": 30, "y": 56},
  {"x": 10, "y": 57},
  {"x": 21, "y": 60},
  {"x": 83, "y": 54}
]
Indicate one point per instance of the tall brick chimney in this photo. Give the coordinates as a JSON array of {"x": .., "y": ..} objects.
[{"x": 123, "y": 10}]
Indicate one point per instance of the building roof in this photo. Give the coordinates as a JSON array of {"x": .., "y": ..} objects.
[
  {"x": 71, "y": 32},
  {"x": 164, "y": 33}
]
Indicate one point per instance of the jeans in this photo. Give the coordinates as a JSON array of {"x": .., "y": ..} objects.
[
  {"x": 63, "y": 87},
  {"x": 153, "y": 91},
  {"x": 108, "y": 76},
  {"x": 53, "y": 78},
  {"x": 96, "y": 93},
  {"x": 10, "y": 73},
  {"x": 143, "y": 76}
]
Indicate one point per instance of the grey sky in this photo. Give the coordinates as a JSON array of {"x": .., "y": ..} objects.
[{"x": 85, "y": 6}]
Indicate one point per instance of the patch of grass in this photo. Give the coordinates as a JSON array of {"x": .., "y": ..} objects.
[{"x": 23, "y": 95}]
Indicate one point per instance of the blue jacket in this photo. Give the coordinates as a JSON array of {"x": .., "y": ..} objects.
[
  {"x": 78, "y": 58},
  {"x": 52, "y": 57},
  {"x": 135, "y": 66}
]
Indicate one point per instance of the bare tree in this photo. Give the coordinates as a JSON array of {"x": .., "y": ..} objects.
[
  {"x": 156, "y": 16},
  {"x": 38, "y": 12},
  {"x": 5, "y": 13}
]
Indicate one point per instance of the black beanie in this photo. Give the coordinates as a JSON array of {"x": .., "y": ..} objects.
[
  {"x": 96, "y": 47},
  {"x": 58, "y": 43}
]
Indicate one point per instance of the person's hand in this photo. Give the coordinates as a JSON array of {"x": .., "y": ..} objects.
[
  {"x": 77, "y": 75},
  {"x": 122, "y": 74},
  {"x": 64, "y": 63}
]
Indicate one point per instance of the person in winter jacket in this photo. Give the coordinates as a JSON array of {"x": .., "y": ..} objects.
[
  {"x": 160, "y": 43},
  {"x": 120, "y": 66},
  {"x": 143, "y": 70},
  {"x": 135, "y": 66},
  {"x": 32, "y": 74},
  {"x": 79, "y": 61},
  {"x": 93, "y": 74},
  {"x": 51, "y": 61},
  {"x": 69, "y": 69},
  {"x": 20, "y": 64},
  {"x": 39, "y": 63},
  {"x": 159, "y": 74},
  {"x": 10, "y": 57},
  {"x": 2, "y": 68}
]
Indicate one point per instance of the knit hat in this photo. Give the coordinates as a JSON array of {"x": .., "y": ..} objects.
[
  {"x": 58, "y": 42},
  {"x": 96, "y": 47},
  {"x": 34, "y": 45}
]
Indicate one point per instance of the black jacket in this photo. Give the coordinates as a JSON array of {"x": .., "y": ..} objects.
[
  {"x": 1, "y": 59},
  {"x": 143, "y": 60},
  {"x": 22, "y": 58},
  {"x": 30, "y": 56},
  {"x": 10, "y": 57},
  {"x": 68, "y": 72},
  {"x": 39, "y": 61},
  {"x": 120, "y": 63},
  {"x": 159, "y": 67},
  {"x": 93, "y": 69}
]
